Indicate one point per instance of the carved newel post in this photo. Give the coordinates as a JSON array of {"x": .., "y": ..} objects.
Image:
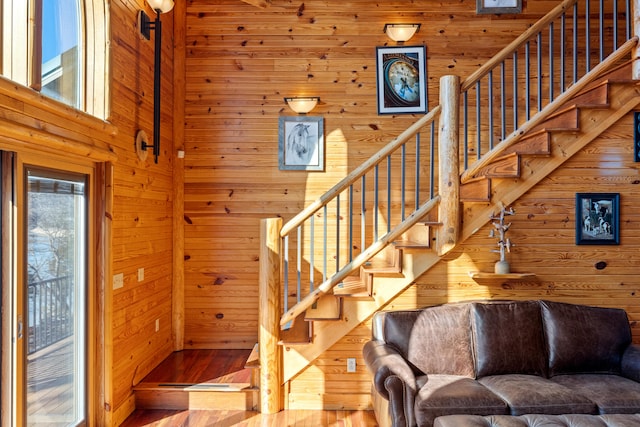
[{"x": 504, "y": 244}]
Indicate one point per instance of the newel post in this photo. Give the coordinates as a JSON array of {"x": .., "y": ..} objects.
[
  {"x": 448, "y": 161},
  {"x": 636, "y": 32},
  {"x": 269, "y": 317}
]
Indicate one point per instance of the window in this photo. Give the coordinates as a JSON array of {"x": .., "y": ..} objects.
[{"x": 63, "y": 54}]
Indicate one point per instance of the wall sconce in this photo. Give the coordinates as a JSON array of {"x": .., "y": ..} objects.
[
  {"x": 146, "y": 26},
  {"x": 400, "y": 32},
  {"x": 302, "y": 104}
]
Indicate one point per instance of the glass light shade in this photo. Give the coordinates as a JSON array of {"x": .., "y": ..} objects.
[
  {"x": 401, "y": 32},
  {"x": 303, "y": 104},
  {"x": 163, "y": 6}
]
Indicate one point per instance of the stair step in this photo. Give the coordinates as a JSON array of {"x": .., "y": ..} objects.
[
  {"x": 328, "y": 307},
  {"x": 253, "y": 363},
  {"x": 533, "y": 144},
  {"x": 198, "y": 396},
  {"x": 593, "y": 97},
  {"x": 476, "y": 190},
  {"x": 507, "y": 166},
  {"x": 408, "y": 244},
  {"x": 352, "y": 287},
  {"x": 299, "y": 332},
  {"x": 566, "y": 119}
]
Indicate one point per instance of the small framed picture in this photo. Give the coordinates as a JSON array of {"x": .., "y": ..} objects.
[
  {"x": 597, "y": 219},
  {"x": 402, "y": 77},
  {"x": 498, "y": 6},
  {"x": 301, "y": 143}
]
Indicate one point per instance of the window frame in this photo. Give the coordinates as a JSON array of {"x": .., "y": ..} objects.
[{"x": 21, "y": 50}]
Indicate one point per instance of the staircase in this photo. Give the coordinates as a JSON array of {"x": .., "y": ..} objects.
[{"x": 373, "y": 268}]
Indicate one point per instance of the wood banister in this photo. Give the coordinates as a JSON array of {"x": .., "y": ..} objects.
[
  {"x": 359, "y": 171},
  {"x": 619, "y": 54},
  {"x": 508, "y": 50}
]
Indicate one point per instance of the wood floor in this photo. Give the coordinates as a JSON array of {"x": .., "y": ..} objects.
[
  {"x": 298, "y": 418},
  {"x": 209, "y": 366}
]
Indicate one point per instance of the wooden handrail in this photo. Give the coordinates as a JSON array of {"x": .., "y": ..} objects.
[
  {"x": 563, "y": 98},
  {"x": 358, "y": 172},
  {"x": 514, "y": 45},
  {"x": 358, "y": 261}
]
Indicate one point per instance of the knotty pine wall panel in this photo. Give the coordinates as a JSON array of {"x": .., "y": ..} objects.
[{"x": 142, "y": 235}]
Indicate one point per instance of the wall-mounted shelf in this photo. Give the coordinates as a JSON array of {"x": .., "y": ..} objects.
[{"x": 478, "y": 275}]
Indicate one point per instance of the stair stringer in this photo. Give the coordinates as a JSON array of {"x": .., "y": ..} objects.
[
  {"x": 356, "y": 311},
  {"x": 624, "y": 98}
]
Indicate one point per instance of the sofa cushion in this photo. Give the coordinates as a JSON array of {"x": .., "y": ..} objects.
[
  {"x": 613, "y": 394},
  {"x": 509, "y": 338},
  {"x": 452, "y": 394},
  {"x": 537, "y": 420},
  {"x": 530, "y": 394},
  {"x": 584, "y": 339},
  {"x": 419, "y": 336}
]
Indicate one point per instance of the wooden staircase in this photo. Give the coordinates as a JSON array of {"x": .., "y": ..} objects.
[
  {"x": 520, "y": 166},
  {"x": 202, "y": 379}
]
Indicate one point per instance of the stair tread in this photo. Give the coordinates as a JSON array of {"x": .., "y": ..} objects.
[
  {"x": 253, "y": 361},
  {"x": 409, "y": 244},
  {"x": 328, "y": 307},
  {"x": 351, "y": 287},
  {"x": 299, "y": 332},
  {"x": 196, "y": 387}
]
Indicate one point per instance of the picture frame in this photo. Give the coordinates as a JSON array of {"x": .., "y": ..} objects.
[
  {"x": 402, "y": 79},
  {"x": 597, "y": 218},
  {"x": 301, "y": 143},
  {"x": 498, "y": 6}
]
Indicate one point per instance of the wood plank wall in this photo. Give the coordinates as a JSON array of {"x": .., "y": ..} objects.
[
  {"x": 242, "y": 60},
  {"x": 143, "y": 205}
]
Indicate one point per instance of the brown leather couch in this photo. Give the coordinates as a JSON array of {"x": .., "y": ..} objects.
[{"x": 501, "y": 358}]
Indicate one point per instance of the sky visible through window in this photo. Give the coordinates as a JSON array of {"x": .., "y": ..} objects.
[{"x": 59, "y": 27}]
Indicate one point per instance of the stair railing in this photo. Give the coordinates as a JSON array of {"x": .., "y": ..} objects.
[
  {"x": 358, "y": 217},
  {"x": 534, "y": 70}
]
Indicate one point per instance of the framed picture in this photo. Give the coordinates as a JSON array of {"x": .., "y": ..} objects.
[
  {"x": 597, "y": 219},
  {"x": 498, "y": 6},
  {"x": 402, "y": 77},
  {"x": 301, "y": 143}
]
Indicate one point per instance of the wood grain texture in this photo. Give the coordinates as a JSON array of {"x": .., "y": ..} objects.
[{"x": 241, "y": 61}]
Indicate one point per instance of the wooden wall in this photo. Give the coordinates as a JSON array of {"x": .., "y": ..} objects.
[
  {"x": 142, "y": 206},
  {"x": 240, "y": 63}
]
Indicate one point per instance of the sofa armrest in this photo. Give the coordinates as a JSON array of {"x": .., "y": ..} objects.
[
  {"x": 630, "y": 366},
  {"x": 383, "y": 360}
]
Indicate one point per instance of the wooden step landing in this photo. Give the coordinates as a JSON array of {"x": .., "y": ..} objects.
[{"x": 201, "y": 380}]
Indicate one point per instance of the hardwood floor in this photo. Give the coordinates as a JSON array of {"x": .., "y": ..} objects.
[
  {"x": 215, "y": 366},
  {"x": 298, "y": 418}
]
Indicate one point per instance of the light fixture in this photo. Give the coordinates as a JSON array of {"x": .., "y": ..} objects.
[
  {"x": 302, "y": 104},
  {"x": 400, "y": 32},
  {"x": 146, "y": 26}
]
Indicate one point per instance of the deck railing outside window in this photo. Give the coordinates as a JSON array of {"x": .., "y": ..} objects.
[{"x": 49, "y": 312}]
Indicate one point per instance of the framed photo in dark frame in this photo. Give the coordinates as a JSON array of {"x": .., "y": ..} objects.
[
  {"x": 498, "y": 6},
  {"x": 301, "y": 143},
  {"x": 402, "y": 79},
  {"x": 597, "y": 219}
]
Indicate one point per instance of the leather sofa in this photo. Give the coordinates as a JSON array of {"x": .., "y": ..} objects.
[{"x": 507, "y": 358}]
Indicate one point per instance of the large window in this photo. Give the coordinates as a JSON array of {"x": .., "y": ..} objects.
[{"x": 58, "y": 47}]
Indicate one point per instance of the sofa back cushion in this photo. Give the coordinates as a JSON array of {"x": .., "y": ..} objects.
[
  {"x": 436, "y": 340},
  {"x": 584, "y": 339},
  {"x": 509, "y": 338}
]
